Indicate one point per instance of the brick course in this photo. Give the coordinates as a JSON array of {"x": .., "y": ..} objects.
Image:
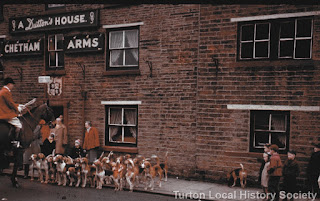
[{"x": 184, "y": 97}]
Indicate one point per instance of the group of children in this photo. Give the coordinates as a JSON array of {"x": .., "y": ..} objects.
[{"x": 272, "y": 170}]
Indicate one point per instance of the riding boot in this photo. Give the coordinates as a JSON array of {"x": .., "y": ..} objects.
[
  {"x": 26, "y": 171},
  {"x": 16, "y": 141}
]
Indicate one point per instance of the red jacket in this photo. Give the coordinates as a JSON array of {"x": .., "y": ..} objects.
[
  {"x": 91, "y": 139},
  {"x": 8, "y": 109},
  {"x": 275, "y": 168}
]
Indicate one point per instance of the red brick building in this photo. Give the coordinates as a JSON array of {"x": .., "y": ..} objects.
[{"x": 209, "y": 83}]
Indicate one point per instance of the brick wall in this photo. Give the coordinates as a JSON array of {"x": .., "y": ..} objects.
[{"x": 184, "y": 97}]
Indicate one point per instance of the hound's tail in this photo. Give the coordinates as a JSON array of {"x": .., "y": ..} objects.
[
  {"x": 241, "y": 166},
  {"x": 156, "y": 157}
]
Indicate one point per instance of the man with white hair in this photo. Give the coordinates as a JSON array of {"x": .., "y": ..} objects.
[
  {"x": 91, "y": 141},
  {"x": 61, "y": 136}
]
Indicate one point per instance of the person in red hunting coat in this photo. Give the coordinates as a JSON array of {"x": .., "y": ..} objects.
[
  {"x": 91, "y": 141},
  {"x": 9, "y": 110}
]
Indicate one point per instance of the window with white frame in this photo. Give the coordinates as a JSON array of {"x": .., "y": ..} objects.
[
  {"x": 122, "y": 125},
  {"x": 123, "y": 48},
  {"x": 269, "y": 127},
  {"x": 55, "y": 52},
  {"x": 276, "y": 39}
]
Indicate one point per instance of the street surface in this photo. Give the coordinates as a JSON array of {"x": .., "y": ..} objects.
[{"x": 35, "y": 191}]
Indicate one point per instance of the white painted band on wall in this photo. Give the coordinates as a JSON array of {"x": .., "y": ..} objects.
[
  {"x": 120, "y": 102},
  {"x": 273, "y": 107},
  {"x": 3, "y": 36},
  {"x": 122, "y": 25},
  {"x": 274, "y": 16}
]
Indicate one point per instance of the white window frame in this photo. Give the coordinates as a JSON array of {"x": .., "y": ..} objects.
[
  {"x": 122, "y": 125},
  {"x": 123, "y": 48},
  {"x": 254, "y": 41},
  {"x": 270, "y": 132},
  {"x": 56, "y": 50},
  {"x": 295, "y": 39}
]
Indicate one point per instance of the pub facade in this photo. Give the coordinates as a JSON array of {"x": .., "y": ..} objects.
[{"x": 210, "y": 84}]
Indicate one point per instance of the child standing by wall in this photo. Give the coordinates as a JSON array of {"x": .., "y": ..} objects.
[
  {"x": 290, "y": 173},
  {"x": 274, "y": 171},
  {"x": 264, "y": 174}
]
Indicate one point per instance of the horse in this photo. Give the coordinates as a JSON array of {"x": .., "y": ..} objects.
[{"x": 29, "y": 122}]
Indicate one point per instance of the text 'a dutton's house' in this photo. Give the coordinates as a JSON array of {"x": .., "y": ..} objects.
[{"x": 210, "y": 84}]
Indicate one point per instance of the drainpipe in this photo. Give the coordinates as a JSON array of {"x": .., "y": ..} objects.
[{"x": 84, "y": 97}]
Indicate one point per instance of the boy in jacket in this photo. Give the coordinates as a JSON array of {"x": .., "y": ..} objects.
[
  {"x": 274, "y": 171},
  {"x": 290, "y": 173}
]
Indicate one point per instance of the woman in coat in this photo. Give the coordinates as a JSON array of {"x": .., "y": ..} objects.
[
  {"x": 60, "y": 136},
  {"x": 91, "y": 141}
]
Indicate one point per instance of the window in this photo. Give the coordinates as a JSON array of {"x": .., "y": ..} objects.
[
  {"x": 269, "y": 127},
  {"x": 123, "y": 49},
  {"x": 55, "y": 52},
  {"x": 276, "y": 39},
  {"x": 122, "y": 125}
]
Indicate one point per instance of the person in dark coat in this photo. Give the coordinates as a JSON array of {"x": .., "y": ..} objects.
[
  {"x": 290, "y": 172},
  {"x": 48, "y": 145},
  {"x": 313, "y": 170},
  {"x": 77, "y": 150}
]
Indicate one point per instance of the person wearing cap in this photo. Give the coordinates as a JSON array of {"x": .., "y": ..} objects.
[
  {"x": 77, "y": 150},
  {"x": 48, "y": 145},
  {"x": 9, "y": 110},
  {"x": 274, "y": 171},
  {"x": 91, "y": 141},
  {"x": 313, "y": 169},
  {"x": 290, "y": 172}
]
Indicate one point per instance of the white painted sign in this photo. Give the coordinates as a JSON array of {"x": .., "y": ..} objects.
[
  {"x": 44, "y": 79},
  {"x": 55, "y": 86}
]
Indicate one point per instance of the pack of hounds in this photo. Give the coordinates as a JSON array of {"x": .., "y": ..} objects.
[{"x": 108, "y": 169}]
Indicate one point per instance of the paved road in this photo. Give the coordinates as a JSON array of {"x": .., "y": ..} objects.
[{"x": 35, "y": 191}]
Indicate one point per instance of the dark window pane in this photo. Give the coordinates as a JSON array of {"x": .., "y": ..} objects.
[
  {"x": 115, "y": 116},
  {"x": 278, "y": 122},
  {"x": 279, "y": 139},
  {"x": 304, "y": 28},
  {"x": 52, "y": 59},
  {"x": 51, "y": 45},
  {"x": 261, "y": 120},
  {"x": 116, "y": 57},
  {"x": 286, "y": 48},
  {"x": 60, "y": 59},
  {"x": 115, "y": 133},
  {"x": 130, "y": 134},
  {"x": 261, "y": 49},
  {"x": 247, "y": 50},
  {"x": 262, "y": 31},
  {"x": 247, "y": 33},
  {"x": 131, "y": 38},
  {"x": 287, "y": 30},
  {"x": 116, "y": 39},
  {"x": 303, "y": 49},
  {"x": 132, "y": 57},
  {"x": 59, "y": 42},
  {"x": 261, "y": 138}
]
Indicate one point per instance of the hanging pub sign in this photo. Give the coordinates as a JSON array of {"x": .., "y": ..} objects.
[
  {"x": 54, "y": 22},
  {"x": 84, "y": 43},
  {"x": 23, "y": 47}
]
